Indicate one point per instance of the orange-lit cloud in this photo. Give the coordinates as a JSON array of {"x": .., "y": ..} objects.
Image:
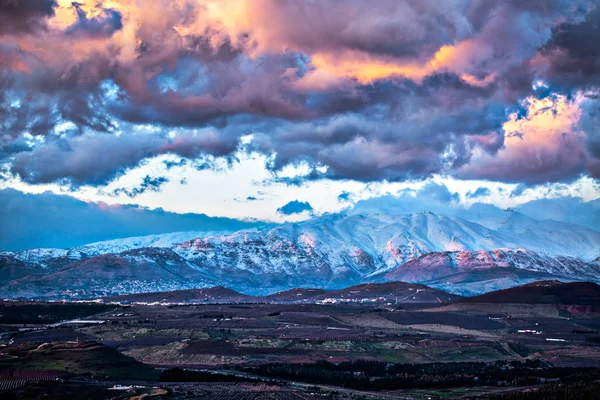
[
  {"x": 258, "y": 27},
  {"x": 547, "y": 141},
  {"x": 411, "y": 87},
  {"x": 460, "y": 59}
]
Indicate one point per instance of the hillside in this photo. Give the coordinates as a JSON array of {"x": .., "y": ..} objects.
[
  {"x": 217, "y": 294},
  {"x": 77, "y": 357},
  {"x": 544, "y": 292},
  {"x": 390, "y": 292},
  {"x": 400, "y": 292}
]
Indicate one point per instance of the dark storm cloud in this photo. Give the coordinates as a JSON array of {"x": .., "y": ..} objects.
[
  {"x": 18, "y": 16},
  {"x": 389, "y": 144},
  {"x": 571, "y": 58},
  {"x": 239, "y": 86},
  {"x": 377, "y": 90},
  {"x": 98, "y": 158},
  {"x": 295, "y": 207},
  {"x": 83, "y": 159}
]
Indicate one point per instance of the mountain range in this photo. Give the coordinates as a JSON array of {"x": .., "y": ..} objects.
[{"x": 334, "y": 251}]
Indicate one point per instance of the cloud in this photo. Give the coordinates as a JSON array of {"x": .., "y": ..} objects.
[
  {"x": 437, "y": 198},
  {"x": 49, "y": 220},
  {"x": 98, "y": 158},
  {"x": 172, "y": 164},
  {"x": 148, "y": 184},
  {"x": 545, "y": 144},
  {"x": 18, "y": 16},
  {"x": 391, "y": 90},
  {"x": 108, "y": 22},
  {"x": 432, "y": 197},
  {"x": 295, "y": 207},
  {"x": 569, "y": 59},
  {"x": 480, "y": 192},
  {"x": 517, "y": 191},
  {"x": 345, "y": 196},
  {"x": 374, "y": 146},
  {"x": 438, "y": 192},
  {"x": 566, "y": 209}
]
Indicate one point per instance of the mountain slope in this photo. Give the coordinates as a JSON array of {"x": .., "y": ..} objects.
[
  {"x": 140, "y": 270},
  {"x": 366, "y": 244},
  {"x": 470, "y": 273},
  {"x": 217, "y": 294},
  {"x": 332, "y": 252},
  {"x": 167, "y": 240}
]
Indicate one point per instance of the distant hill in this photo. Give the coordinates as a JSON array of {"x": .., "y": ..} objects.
[
  {"x": 217, "y": 294},
  {"x": 401, "y": 292},
  {"x": 390, "y": 292},
  {"x": 544, "y": 292},
  {"x": 296, "y": 295}
]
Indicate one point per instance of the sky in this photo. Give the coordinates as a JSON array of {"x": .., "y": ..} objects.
[{"x": 282, "y": 110}]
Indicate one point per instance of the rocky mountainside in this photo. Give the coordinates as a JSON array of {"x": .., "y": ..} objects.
[
  {"x": 331, "y": 252},
  {"x": 474, "y": 272}
]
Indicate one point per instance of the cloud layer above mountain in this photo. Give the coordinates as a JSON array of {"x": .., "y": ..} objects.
[
  {"x": 48, "y": 220},
  {"x": 360, "y": 90}
]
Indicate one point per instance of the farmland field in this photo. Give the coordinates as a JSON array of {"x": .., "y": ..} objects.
[{"x": 283, "y": 351}]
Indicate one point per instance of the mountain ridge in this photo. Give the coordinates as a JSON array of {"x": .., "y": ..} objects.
[{"x": 331, "y": 252}]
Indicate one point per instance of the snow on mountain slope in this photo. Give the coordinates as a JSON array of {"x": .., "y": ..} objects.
[
  {"x": 138, "y": 270},
  {"x": 161, "y": 241},
  {"x": 335, "y": 251},
  {"x": 44, "y": 257},
  {"x": 368, "y": 244},
  {"x": 552, "y": 236},
  {"x": 338, "y": 250},
  {"x": 441, "y": 264}
]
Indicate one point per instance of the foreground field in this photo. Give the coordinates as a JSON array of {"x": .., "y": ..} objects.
[{"x": 349, "y": 349}]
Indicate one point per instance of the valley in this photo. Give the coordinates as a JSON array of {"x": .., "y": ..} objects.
[{"x": 278, "y": 345}]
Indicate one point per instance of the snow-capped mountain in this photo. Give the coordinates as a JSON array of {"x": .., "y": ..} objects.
[
  {"x": 114, "y": 246},
  {"x": 332, "y": 251},
  {"x": 42, "y": 257},
  {"x": 376, "y": 242},
  {"x": 160, "y": 241}
]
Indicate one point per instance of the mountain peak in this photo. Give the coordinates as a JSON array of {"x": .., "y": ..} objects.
[{"x": 328, "y": 252}]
